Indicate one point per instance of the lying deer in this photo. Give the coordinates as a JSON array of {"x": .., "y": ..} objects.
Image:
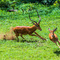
[
  {"x": 24, "y": 30},
  {"x": 53, "y": 37}
]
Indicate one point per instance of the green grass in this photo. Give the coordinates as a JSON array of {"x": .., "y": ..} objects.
[
  {"x": 30, "y": 49},
  {"x": 10, "y": 50}
]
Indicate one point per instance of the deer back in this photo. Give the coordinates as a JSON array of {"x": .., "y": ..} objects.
[{"x": 24, "y": 29}]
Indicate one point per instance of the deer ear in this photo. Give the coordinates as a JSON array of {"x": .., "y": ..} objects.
[
  {"x": 55, "y": 29},
  {"x": 49, "y": 29}
]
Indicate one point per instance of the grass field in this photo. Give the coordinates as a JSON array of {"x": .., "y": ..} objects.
[{"x": 33, "y": 48}]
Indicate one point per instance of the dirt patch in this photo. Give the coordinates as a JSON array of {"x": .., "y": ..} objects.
[{"x": 8, "y": 35}]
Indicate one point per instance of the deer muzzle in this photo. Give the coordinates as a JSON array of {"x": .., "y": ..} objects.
[{"x": 40, "y": 29}]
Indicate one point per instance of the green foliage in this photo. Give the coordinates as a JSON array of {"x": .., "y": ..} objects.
[
  {"x": 4, "y": 4},
  {"x": 10, "y": 3},
  {"x": 48, "y": 2}
]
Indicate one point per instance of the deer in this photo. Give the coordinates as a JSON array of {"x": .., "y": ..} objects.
[
  {"x": 24, "y": 30},
  {"x": 53, "y": 37}
]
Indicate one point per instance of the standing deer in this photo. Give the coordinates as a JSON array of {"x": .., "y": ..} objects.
[
  {"x": 53, "y": 37},
  {"x": 24, "y": 30}
]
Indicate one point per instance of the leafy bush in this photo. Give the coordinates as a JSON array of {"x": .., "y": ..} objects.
[
  {"x": 4, "y": 4},
  {"x": 13, "y": 3}
]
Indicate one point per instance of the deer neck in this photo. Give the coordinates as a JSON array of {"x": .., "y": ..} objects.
[
  {"x": 33, "y": 28},
  {"x": 53, "y": 35}
]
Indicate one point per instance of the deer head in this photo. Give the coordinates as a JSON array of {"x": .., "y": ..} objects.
[
  {"x": 52, "y": 31},
  {"x": 36, "y": 23}
]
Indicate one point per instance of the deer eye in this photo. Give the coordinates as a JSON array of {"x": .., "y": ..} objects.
[{"x": 37, "y": 25}]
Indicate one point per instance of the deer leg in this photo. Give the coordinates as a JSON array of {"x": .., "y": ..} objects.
[
  {"x": 56, "y": 43},
  {"x": 22, "y": 36},
  {"x": 17, "y": 37},
  {"x": 59, "y": 42},
  {"x": 32, "y": 34},
  {"x": 39, "y": 36}
]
